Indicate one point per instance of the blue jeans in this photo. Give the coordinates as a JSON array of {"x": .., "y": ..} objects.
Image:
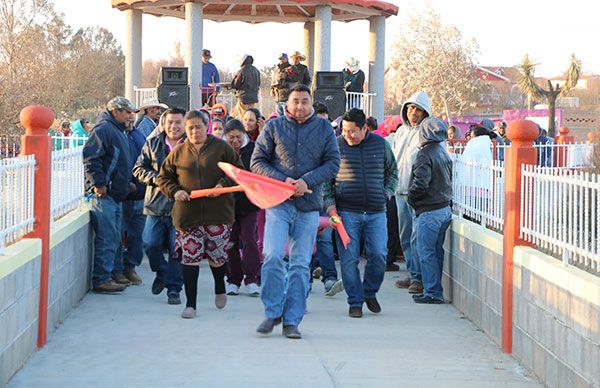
[
  {"x": 407, "y": 228},
  {"x": 324, "y": 254},
  {"x": 132, "y": 223},
  {"x": 159, "y": 233},
  {"x": 372, "y": 228},
  {"x": 283, "y": 223},
  {"x": 431, "y": 232},
  {"x": 106, "y": 221}
]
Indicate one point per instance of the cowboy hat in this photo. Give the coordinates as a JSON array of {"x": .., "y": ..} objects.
[
  {"x": 299, "y": 55},
  {"x": 151, "y": 102},
  {"x": 353, "y": 64}
]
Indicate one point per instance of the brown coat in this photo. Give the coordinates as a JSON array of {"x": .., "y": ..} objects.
[{"x": 188, "y": 169}]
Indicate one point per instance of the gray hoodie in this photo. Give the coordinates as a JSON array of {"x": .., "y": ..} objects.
[
  {"x": 431, "y": 176},
  {"x": 406, "y": 141}
]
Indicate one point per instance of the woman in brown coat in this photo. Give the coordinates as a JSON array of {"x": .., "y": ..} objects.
[{"x": 203, "y": 225}]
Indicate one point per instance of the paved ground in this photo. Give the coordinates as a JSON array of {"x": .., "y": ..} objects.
[{"x": 137, "y": 340}]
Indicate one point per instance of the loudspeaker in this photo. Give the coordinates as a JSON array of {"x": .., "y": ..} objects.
[
  {"x": 174, "y": 96},
  {"x": 329, "y": 80},
  {"x": 173, "y": 76},
  {"x": 334, "y": 100}
]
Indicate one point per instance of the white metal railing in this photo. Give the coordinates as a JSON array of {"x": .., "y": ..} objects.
[
  {"x": 16, "y": 198},
  {"x": 362, "y": 101},
  {"x": 142, "y": 94},
  {"x": 560, "y": 213},
  {"x": 575, "y": 155},
  {"x": 478, "y": 190},
  {"x": 67, "y": 181}
]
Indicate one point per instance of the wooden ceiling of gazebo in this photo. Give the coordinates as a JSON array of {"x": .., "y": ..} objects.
[{"x": 260, "y": 11}]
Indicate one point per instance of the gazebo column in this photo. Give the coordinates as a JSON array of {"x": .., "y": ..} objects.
[
  {"x": 377, "y": 64},
  {"x": 193, "y": 51},
  {"x": 309, "y": 45},
  {"x": 323, "y": 38},
  {"x": 133, "y": 51}
]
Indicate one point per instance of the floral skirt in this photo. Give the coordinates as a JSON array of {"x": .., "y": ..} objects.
[{"x": 209, "y": 242}]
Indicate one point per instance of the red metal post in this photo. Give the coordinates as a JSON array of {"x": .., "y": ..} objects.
[
  {"x": 37, "y": 120},
  {"x": 521, "y": 133},
  {"x": 562, "y": 155}
]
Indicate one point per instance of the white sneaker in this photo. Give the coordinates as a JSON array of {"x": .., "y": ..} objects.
[
  {"x": 232, "y": 289},
  {"x": 253, "y": 289},
  {"x": 333, "y": 287}
]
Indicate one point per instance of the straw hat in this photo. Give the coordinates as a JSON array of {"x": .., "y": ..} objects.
[
  {"x": 299, "y": 55},
  {"x": 353, "y": 64},
  {"x": 152, "y": 102}
]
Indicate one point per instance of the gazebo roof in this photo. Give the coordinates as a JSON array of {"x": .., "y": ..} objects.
[{"x": 259, "y": 11}]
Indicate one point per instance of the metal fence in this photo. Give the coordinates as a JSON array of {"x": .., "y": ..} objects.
[
  {"x": 479, "y": 191},
  {"x": 67, "y": 181},
  {"x": 560, "y": 214},
  {"x": 574, "y": 155},
  {"x": 10, "y": 146},
  {"x": 362, "y": 101},
  {"x": 16, "y": 198}
]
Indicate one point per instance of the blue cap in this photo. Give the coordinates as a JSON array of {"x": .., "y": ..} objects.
[{"x": 283, "y": 56}]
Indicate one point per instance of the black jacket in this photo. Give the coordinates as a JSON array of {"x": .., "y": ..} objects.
[
  {"x": 247, "y": 82},
  {"x": 430, "y": 185},
  {"x": 107, "y": 158},
  {"x": 146, "y": 170},
  {"x": 243, "y": 205}
]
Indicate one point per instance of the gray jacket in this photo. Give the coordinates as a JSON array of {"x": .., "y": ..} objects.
[
  {"x": 146, "y": 170},
  {"x": 309, "y": 150},
  {"x": 431, "y": 178}
]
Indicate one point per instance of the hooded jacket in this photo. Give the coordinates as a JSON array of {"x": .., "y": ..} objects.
[
  {"x": 406, "y": 141},
  {"x": 247, "y": 82},
  {"x": 309, "y": 150},
  {"x": 107, "y": 158},
  {"x": 77, "y": 130},
  {"x": 431, "y": 176}
]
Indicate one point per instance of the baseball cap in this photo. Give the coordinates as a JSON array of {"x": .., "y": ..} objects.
[
  {"x": 283, "y": 56},
  {"x": 121, "y": 103},
  {"x": 206, "y": 53}
]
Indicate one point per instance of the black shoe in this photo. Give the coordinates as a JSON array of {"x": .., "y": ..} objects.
[
  {"x": 355, "y": 312},
  {"x": 267, "y": 325},
  {"x": 291, "y": 331},
  {"x": 417, "y": 296},
  {"x": 173, "y": 298},
  {"x": 391, "y": 267},
  {"x": 426, "y": 299},
  {"x": 158, "y": 285},
  {"x": 373, "y": 305}
]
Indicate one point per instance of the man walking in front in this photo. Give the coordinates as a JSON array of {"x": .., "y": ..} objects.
[
  {"x": 367, "y": 179},
  {"x": 298, "y": 148},
  {"x": 107, "y": 166},
  {"x": 405, "y": 146}
]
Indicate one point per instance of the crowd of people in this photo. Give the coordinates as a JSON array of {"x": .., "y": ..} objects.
[{"x": 141, "y": 174}]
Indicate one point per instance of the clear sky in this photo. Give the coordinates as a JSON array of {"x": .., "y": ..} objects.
[{"x": 505, "y": 31}]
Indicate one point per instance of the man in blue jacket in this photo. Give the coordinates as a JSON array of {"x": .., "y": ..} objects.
[
  {"x": 210, "y": 76},
  {"x": 359, "y": 193},
  {"x": 107, "y": 166},
  {"x": 298, "y": 148},
  {"x": 133, "y": 219}
]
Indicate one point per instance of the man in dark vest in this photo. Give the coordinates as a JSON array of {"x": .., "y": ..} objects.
[{"x": 366, "y": 180}]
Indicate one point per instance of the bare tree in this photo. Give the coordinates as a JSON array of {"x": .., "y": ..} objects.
[
  {"x": 43, "y": 62},
  {"x": 529, "y": 86},
  {"x": 428, "y": 55}
]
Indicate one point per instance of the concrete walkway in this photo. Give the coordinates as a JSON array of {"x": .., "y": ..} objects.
[{"x": 137, "y": 340}]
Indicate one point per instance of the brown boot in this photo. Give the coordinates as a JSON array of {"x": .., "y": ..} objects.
[
  {"x": 121, "y": 279},
  {"x": 133, "y": 277},
  {"x": 415, "y": 287},
  {"x": 403, "y": 283},
  {"x": 109, "y": 287}
]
